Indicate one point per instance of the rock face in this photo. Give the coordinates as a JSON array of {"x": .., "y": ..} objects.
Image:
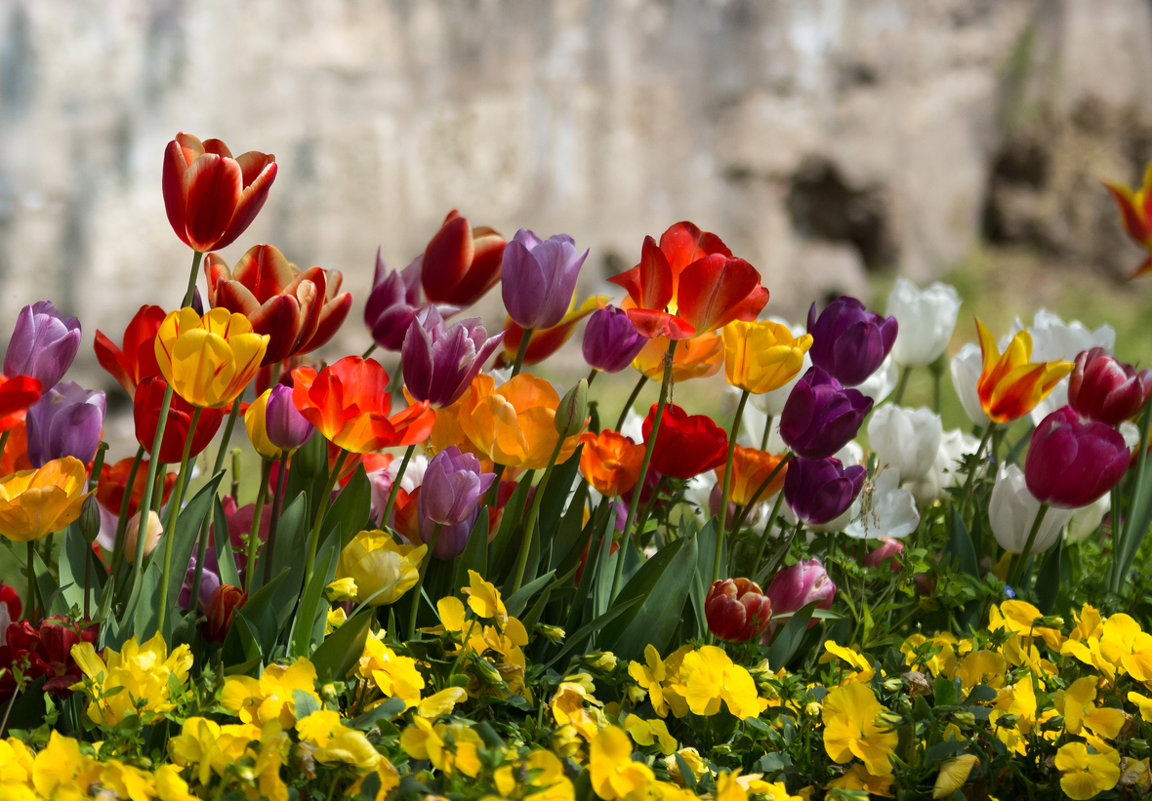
[{"x": 822, "y": 139}]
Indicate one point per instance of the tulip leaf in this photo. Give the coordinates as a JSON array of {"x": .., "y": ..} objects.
[
  {"x": 1048, "y": 577},
  {"x": 145, "y": 615},
  {"x": 475, "y": 556},
  {"x": 500, "y": 555},
  {"x": 555, "y": 498},
  {"x": 960, "y": 544},
  {"x": 662, "y": 610},
  {"x": 516, "y": 602},
  {"x": 222, "y": 542},
  {"x": 266, "y": 612},
  {"x": 189, "y": 522},
  {"x": 567, "y": 546},
  {"x": 339, "y": 652},
  {"x": 49, "y": 587},
  {"x": 291, "y": 538},
  {"x": 75, "y": 554},
  {"x": 581, "y": 634},
  {"x": 303, "y": 623},
  {"x": 789, "y": 636},
  {"x": 350, "y": 511}
]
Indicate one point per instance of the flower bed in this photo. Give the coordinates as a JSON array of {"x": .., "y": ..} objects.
[{"x": 458, "y": 580}]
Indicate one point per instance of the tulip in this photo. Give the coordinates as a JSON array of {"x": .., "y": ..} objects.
[
  {"x": 848, "y": 341},
  {"x": 393, "y": 302},
  {"x": 887, "y": 553},
  {"x": 736, "y": 609},
  {"x": 146, "y": 414},
  {"x": 699, "y": 357},
  {"x": 152, "y": 531},
  {"x": 286, "y": 428},
  {"x": 796, "y": 586},
  {"x": 883, "y": 508},
  {"x": 689, "y": 284},
  {"x": 67, "y": 421},
  {"x": 1071, "y": 462},
  {"x": 610, "y": 461},
  {"x": 135, "y": 360},
  {"x": 1136, "y": 213},
  {"x": 36, "y": 503},
  {"x": 220, "y": 612},
  {"x": 461, "y": 263},
  {"x": 44, "y": 651},
  {"x": 906, "y": 439},
  {"x": 819, "y": 490},
  {"x": 1105, "y": 389},
  {"x": 820, "y": 416},
  {"x": 211, "y": 198},
  {"x": 16, "y": 395},
  {"x": 539, "y": 277},
  {"x": 927, "y": 318},
  {"x": 1055, "y": 340},
  {"x": 299, "y": 311},
  {"x": 1009, "y": 385},
  {"x": 10, "y": 609},
  {"x": 611, "y": 341},
  {"x": 114, "y": 482},
  {"x": 43, "y": 344},
  {"x": 946, "y": 471},
  {"x": 686, "y": 445},
  {"x": 440, "y": 362},
  {"x": 1012, "y": 509},
  {"x": 750, "y": 468},
  {"x": 762, "y": 356},
  {"x": 543, "y": 342},
  {"x": 454, "y": 485},
  {"x": 383, "y": 571},
  {"x": 513, "y": 424},
  {"x": 965, "y": 368},
  {"x": 255, "y": 424},
  {"x": 208, "y": 360}
]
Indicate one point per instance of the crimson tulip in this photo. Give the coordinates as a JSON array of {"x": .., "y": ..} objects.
[
  {"x": 1105, "y": 389},
  {"x": 220, "y": 612},
  {"x": 1071, "y": 462},
  {"x": 135, "y": 359},
  {"x": 44, "y": 651},
  {"x": 461, "y": 263},
  {"x": 16, "y": 395},
  {"x": 686, "y": 445},
  {"x": 146, "y": 414},
  {"x": 737, "y": 609}
]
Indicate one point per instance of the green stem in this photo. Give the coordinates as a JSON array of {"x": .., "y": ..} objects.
[
  {"x": 254, "y": 534},
  {"x": 218, "y": 465},
  {"x": 122, "y": 521},
  {"x": 31, "y": 616},
  {"x": 898, "y": 394},
  {"x": 631, "y": 399},
  {"x": 395, "y": 488},
  {"x": 419, "y": 588},
  {"x": 525, "y": 336},
  {"x": 727, "y": 488},
  {"x": 191, "y": 290},
  {"x": 966, "y": 495},
  {"x": 369, "y": 351},
  {"x": 766, "y": 434},
  {"x": 277, "y": 502},
  {"x": 767, "y": 532},
  {"x": 174, "y": 509},
  {"x": 1134, "y": 526},
  {"x": 321, "y": 508},
  {"x": 592, "y": 375},
  {"x": 1016, "y": 564},
  {"x": 530, "y": 530},
  {"x": 234, "y": 484}
]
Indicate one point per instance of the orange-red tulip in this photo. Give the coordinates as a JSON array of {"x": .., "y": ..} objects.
[
  {"x": 16, "y": 395},
  {"x": 1010, "y": 386},
  {"x": 135, "y": 360},
  {"x": 610, "y": 461},
  {"x": 514, "y": 424},
  {"x": 749, "y": 469},
  {"x": 1136, "y": 213},
  {"x": 698, "y": 357},
  {"x": 461, "y": 263},
  {"x": 114, "y": 482}
]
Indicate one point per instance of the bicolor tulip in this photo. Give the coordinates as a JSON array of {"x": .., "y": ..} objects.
[
  {"x": 820, "y": 416},
  {"x": 450, "y": 495},
  {"x": 686, "y": 445},
  {"x": 461, "y": 263},
  {"x": 736, "y": 609},
  {"x": 208, "y": 360},
  {"x": 16, "y": 395},
  {"x": 611, "y": 341},
  {"x": 135, "y": 359},
  {"x": 146, "y": 415},
  {"x": 1105, "y": 389},
  {"x": 539, "y": 277},
  {"x": 762, "y": 356},
  {"x": 211, "y": 197},
  {"x": 1012, "y": 510},
  {"x": 927, "y": 319},
  {"x": 383, "y": 571},
  {"x": 1010, "y": 385},
  {"x": 220, "y": 611},
  {"x": 299, "y": 311},
  {"x": 67, "y": 421},
  {"x": 439, "y": 362},
  {"x": 113, "y": 484},
  {"x": 750, "y": 467},
  {"x": 349, "y": 405},
  {"x": 610, "y": 461},
  {"x": 43, "y": 344},
  {"x": 393, "y": 302},
  {"x": 513, "y": 424},
  {"x": 36, "y": 503},
  {"x": 819, "y": 490},
  {"x": 1071, "y": 462},
  {"x": 689, "y": 284},
  {"x": 798, "y": 585},
  {"x": 699, "y": 357},
  {"x": 543, "y": 342},
  {"x": 1136, "y": 213},
  {"x": 848, "y": 341}
]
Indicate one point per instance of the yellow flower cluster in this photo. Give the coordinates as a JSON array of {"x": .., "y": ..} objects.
[{"x": 697, "y": 681}]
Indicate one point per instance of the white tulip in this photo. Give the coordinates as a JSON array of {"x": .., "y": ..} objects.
[
  {"x": 946, "y": 470},
  {"x": 1086, "y": 519},
  {"x": 927, "y": 319},
  {"x": 906, "y": 439},
  {"x": 1053, "y": 340},
  {"x": 966, "y": 367},
  {"x": 883, "y": 508},
  {"x": 1012, "y": 510},
  {"x": 880, "y": 384}
]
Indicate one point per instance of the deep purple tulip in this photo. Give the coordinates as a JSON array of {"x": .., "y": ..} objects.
[
  {"x": 1105, "y": 389},
  {"x": 849, "y": 341},
  {"x": 819, "y": 490},
  {"x": 538, "y": 278},
  {"x": 611, "y": 341},
  {"x": 66, "y": 421},
  {"x": 820, "y": 416},
  {"x": 393, "y": 302},
  {"x": 43, "y": 344},
  {"x": 287, "y": 429},
  {"x": 797, "y": 586},
  {"x": 440, "y": 362},
  {"x": 1071, "y": 462},
  {"x": 450, "y": 496}
]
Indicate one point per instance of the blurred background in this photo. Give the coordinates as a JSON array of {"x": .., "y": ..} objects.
[{"x": 832, "y": 143}]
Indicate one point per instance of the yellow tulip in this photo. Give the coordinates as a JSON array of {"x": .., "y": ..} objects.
[
  {"x": 254, "y": 424},
  {"x": 698, "y": 357},
  {"x": 383, "y": 571},
  {"x": 209, "y": 360},
  {"x": 35, "y": 503},
  {"x": 762, "y": 356}
]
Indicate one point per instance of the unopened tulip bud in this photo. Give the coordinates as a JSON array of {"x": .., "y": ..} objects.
[
  {"x": 90, "y": 519},
  {"x": 572, "y": 413},
  {"x": 153, "y": 530},
  {"x": 736, "y": 609}
]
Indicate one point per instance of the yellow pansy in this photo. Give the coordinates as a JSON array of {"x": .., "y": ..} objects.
[
  {"x": 394, "y": 675},
  {"x": 484, "y": 598},
  {"x": 851, "y": 728},
  {"x": 864, "y": 671},
  {"x": 1124, "y": 644},
  {"x": 981, "y": 667},
  {"x": 1084, "y": 773},
  {"x": 709, "y": 676},
  {"x": 441, "y": 703},
  {"x": 209, "y": 360},
  {"x": 449, "y": 747},
  {"x": 953, "y": 774},
  {"x": 335, "y": 742},
  {"x": 614, "y": 774},
  {"x": 691, "y": 758},
  {"x": 857, "y": 777},
  {"x": 568, "y": 708},
  {"x": 210, "y": 747},
  {"x": 135, "y": 681},
  {"x": 650, "y": 732},
  {"x": 649, "y": 676},
  {"x": 270, "y": 697}
]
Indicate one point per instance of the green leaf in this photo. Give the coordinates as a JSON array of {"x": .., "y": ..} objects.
[
  {"x": 516, "y": 602},
  {"x": 686, "y": 773},
  {"x": 663, "y": 606},
  {"x": 572, "y": 535},
  {"x": 75, "y": 554},
  {"x": 641, "y": 586},
  {"x": 310, "y": 605},
  {"x": 189, "y": 522},
  {"x": 500, "y": 555},
  {"x": 222, "y": 542},
  {"x": 349, "y": 513},
  {"x": 787, "y": 639},
  {"x": 475, "y": 556},
  {"x": 946, "y": 692},
  {"x": 383, "y": 712},
  {"x": 337, "y": 654},
  {"x": 291, "y": 538},
  {"x": 304, "y": 704},
  {"x": 581, "y": 634},
  {"x": 1048, "y": 577},
  {"x": 264, "y": 614},
  {"x": 960, "y": 545}
]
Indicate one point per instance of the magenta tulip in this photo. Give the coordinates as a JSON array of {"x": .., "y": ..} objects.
[
  {"x": 1105, "y": 389},
  {"x": 1071, "y": 462}
]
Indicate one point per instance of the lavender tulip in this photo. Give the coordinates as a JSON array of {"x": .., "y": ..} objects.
[
  {"x": 848, "y": 341},
  {"x": 820, "y": 416},
  {"x": 611, "y": 341},
  {"x": 286, "y": 427},
  {"x": 539, "y": 277},
  {"x": 450, "y": 496},
  {"x": 819, "y": 490},
  {"x": 1072, "y": 462},
  {"x": 393, "y": 302},
  {"x": 438, "y": 362},
  {"x": 66, "y": 421},
  {"x": 43, "y": 344}
]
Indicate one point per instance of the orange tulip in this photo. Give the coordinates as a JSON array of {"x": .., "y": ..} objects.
[
  {"x": 698, "y": 357},
  {"x": 137, "y": 360},
  {"x": 35, "y": 503},
  {"x": 1010, "y": 386},
  {"x": 610, "y": 461},
  {"x": 349, "y": 404},
  {"x": 513, "y": 424},
  {"x": 749, "y": 469}
]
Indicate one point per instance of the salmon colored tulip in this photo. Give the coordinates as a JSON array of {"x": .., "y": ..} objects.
[
  {"x": 349, "y": 404},
  {"x": 208, "y": 360},
  {"x": 299, "y": 311},
  {"x": 513, "y": 424},
  {"x": 16, "y": 395},
  {"x": 211, "y": 197},
  {"x": 762, "y": 356},
  {"x": 1010, "y": 385},
  {"x": 689, "y": 284},
  {"x": 135, "y": 360},
  {"x": 35, "y": 503},
  {"x": 546, "y": 341},
  {"x": 749, "y": 469},
  {"x": 699, "y": 357},
  {"x": 610, "y": 461},
  {"x": 1136, "y": 213},
  {"x": 146, "y": 414},
  {"x": 461, "y": 263}
]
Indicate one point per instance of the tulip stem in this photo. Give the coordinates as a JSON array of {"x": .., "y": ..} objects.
[
  {"x": 631, "y": 399},
  {"x": 395, "y": 488},
  {"x": 368, "y": 351},
  {"x": 592, "y": 375},
  {"x": 649, "y": 447},
  {"x": 530, "y": 531},
  {"x": 901, "y": 385},
  {"x": 31, "y": 616},
  {"x": 321, "y": 508},
  {"x": 254, "y": 534},
  {"x": 232, "y": 415},
  {"x": 191, "y": 291},
  {"x": 173, "y": 510},
  {"x": 277, "y": 502},
  {"x": 966, "y": 496},
  {"x": 525, "y": 337},
  {"x": 419, "y": 588},
  {"x": 727, "y": 488},
  {"x": 781, "y": 553},
  {"x": 739, "y": 521},
  {"x": 1018, "y": 561},
  {"x": 766, "y": 434}
]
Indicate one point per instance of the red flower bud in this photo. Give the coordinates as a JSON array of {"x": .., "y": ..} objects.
[
  {"x": 1105, "y": 389},
  {"x": 221, "y": 610},
  {"x": 737, "y": 609}
]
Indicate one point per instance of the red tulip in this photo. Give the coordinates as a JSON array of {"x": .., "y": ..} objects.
[
  {"x": 146, "y": 413},
  {"x": 114, "y": 482},
  {"x": 135, "y": 360},
  {"x": 686, "y": 445},
  {"x": 1105, "y": 389},
  {"x": 737, "y": 609},
  {"x": 221, "y": 610},
  {"x": 16, "y": 395},
  {"x": 461, "y": 263}
]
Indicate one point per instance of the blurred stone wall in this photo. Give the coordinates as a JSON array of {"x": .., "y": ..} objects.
[{"x": 821, "y": 139}]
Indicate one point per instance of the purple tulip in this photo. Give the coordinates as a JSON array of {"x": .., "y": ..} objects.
[
  {"x": 393, "y": 302},
  {"x": 1071, "y": 462},
  {"x": 43, "y": 344},
  {"x": 820, "y": 416},
  {"x": 286, "y": 427},
  {"x": 611, "y": 341},
  {"x": 819, "y": 490},
  {"x": 539, "y": 277},
  {"x": 66, "y": 421},
  {"x": 450, "y": 496},
  {"x": 799, "y": 585},
  {"x": 439, "y": 363},
  {"x": 848, "y": 341}
]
